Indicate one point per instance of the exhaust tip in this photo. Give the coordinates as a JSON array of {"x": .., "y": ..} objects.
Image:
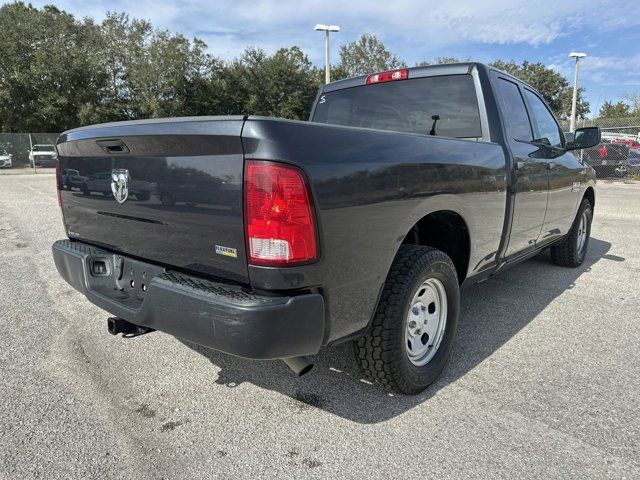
[{"x": 299, "y": 365}]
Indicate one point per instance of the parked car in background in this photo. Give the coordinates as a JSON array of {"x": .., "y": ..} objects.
[
  {"x": 631, "y": 143},
  {"x": 101, "y": 183},
  {"x": 70, "y": 178},
  {"x": 43, "y": 156},
  {"x": 6, "y": 160},
  {"x": 634, "y": 165},
  {"x": 609, "y": 159}
]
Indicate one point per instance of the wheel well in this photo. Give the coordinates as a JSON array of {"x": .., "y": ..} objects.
[
  {"x": 446, "y": 231},
  {"x": 590, "y": 195}
]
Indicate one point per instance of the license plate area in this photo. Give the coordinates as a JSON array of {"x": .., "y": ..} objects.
[{"x": 122, "y": 279}]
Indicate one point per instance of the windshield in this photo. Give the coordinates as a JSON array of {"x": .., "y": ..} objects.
[
  {"x": 44, "y": 148},
  {"x": 443, "y": 106}
]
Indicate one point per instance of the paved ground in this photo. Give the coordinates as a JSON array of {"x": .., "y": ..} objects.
[
  {"x": 23, "y": 170},
  {"x": 543, "y": 380}
]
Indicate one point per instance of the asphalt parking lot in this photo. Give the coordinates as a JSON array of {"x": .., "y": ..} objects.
[{"x": 544, "y": 379}]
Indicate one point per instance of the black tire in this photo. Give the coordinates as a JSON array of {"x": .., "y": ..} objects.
[
  {"x": 567, "y": 253},
  {"x": 381, "y": 352},
  {"x": 85, "y": 189}
]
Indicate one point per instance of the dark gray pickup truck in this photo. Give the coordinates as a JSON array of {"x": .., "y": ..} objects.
[{"x": 270, "y": 239}]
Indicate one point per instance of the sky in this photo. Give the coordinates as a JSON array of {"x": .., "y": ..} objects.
[{"x": 535, "y": 30}]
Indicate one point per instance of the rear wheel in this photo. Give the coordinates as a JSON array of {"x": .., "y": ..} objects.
[
  {"x": 572, "y": 251},
  {"x": 412, "y": 332}
]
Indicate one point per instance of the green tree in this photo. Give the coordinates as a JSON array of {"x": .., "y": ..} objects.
[
  {"x": 283, "y": 84},
  {"x": 367, "y": 55},
  {"x": 122, "y": 45},
  {"x": 48, "y": 68},
  {"x": 439, "y": 61},
  {"x": 615, "y": 110},
  {"x": 633, "y": 100},
  {"x": 552, "y": 85},
  {"x": 152, "y": 73}
]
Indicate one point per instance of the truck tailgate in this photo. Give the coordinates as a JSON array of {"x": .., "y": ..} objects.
[{"x": 168, "y": 191}]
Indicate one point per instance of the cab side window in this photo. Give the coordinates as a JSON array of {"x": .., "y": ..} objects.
[
  {"x": 514, "y": 110},
  {"x": 544, "y": 124}
]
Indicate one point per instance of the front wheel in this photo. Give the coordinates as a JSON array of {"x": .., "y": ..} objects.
[
  {"x": 572, "y": 250},
  {"x": 412, "y": 332}
]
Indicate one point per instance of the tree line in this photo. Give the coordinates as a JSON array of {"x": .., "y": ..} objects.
[
  {"x": 59, "y": 72},
  {"x": 628, "y": 106}
]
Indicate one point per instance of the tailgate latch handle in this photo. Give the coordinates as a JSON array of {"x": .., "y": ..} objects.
[{"x": 113, "y": 146}]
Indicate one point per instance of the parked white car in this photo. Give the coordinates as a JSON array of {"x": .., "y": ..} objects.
[
  {"x": 5, "y": 160},
  {"x": 43, "y": 156}
]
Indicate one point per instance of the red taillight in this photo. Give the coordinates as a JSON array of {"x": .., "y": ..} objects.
[
  {"x": 280, "y": 225},
  {"x": 390, "y": 76},
  {"x": 602, "y": 150}
]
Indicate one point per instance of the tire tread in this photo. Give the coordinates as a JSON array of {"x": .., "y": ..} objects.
[
  {"x": 377, "y": 351},
  {"x": 565, "y": 253}
]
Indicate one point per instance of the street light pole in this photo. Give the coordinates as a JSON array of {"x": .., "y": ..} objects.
[
  {"x": 574, "y": 102},
  {"x": 327, "y": 64}
]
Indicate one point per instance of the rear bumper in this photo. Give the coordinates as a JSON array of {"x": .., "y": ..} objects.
[{"x": 224, "y": 317}]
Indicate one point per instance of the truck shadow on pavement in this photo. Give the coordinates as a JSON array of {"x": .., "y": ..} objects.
[{"x": 492, "y": 313}]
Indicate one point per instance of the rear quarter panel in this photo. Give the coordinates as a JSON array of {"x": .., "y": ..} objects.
[{"x": 370, "y": 187}]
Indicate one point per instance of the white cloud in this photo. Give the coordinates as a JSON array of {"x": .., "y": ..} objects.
[
  {"x": 603, "y": 70},
  {"x": 228, "y": 26}
]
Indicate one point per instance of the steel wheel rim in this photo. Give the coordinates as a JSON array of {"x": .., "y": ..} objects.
[
  {"x": 582, "y": 232},
  {"x": 426, "y": 322}
]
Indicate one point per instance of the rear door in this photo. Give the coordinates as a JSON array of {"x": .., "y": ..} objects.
[
  {"x": 183, "y": 201},
  {"x": 530, "y": 170}
]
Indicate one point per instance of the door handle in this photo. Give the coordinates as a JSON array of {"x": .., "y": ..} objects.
[
  {"x": 113, "y": 146},
  {"x": 551, "y": 165}
]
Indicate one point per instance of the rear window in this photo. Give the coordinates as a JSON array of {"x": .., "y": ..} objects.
[{"x": 410, "y": 106}]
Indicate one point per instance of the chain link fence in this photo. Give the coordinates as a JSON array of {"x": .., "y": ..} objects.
[
  {"x": 26, "y": 149},
  {"x": 618, "y": 156}
]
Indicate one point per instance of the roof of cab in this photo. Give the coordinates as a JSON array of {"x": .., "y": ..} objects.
[
  {"x": 423, "y": 71},
  {"x": 414, "y": 72}
]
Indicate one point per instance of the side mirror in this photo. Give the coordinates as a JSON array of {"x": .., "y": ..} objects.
[{"x": 585, "y": 137}]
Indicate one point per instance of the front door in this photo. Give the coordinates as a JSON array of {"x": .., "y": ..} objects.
[{"x": 531, "y": 174}]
